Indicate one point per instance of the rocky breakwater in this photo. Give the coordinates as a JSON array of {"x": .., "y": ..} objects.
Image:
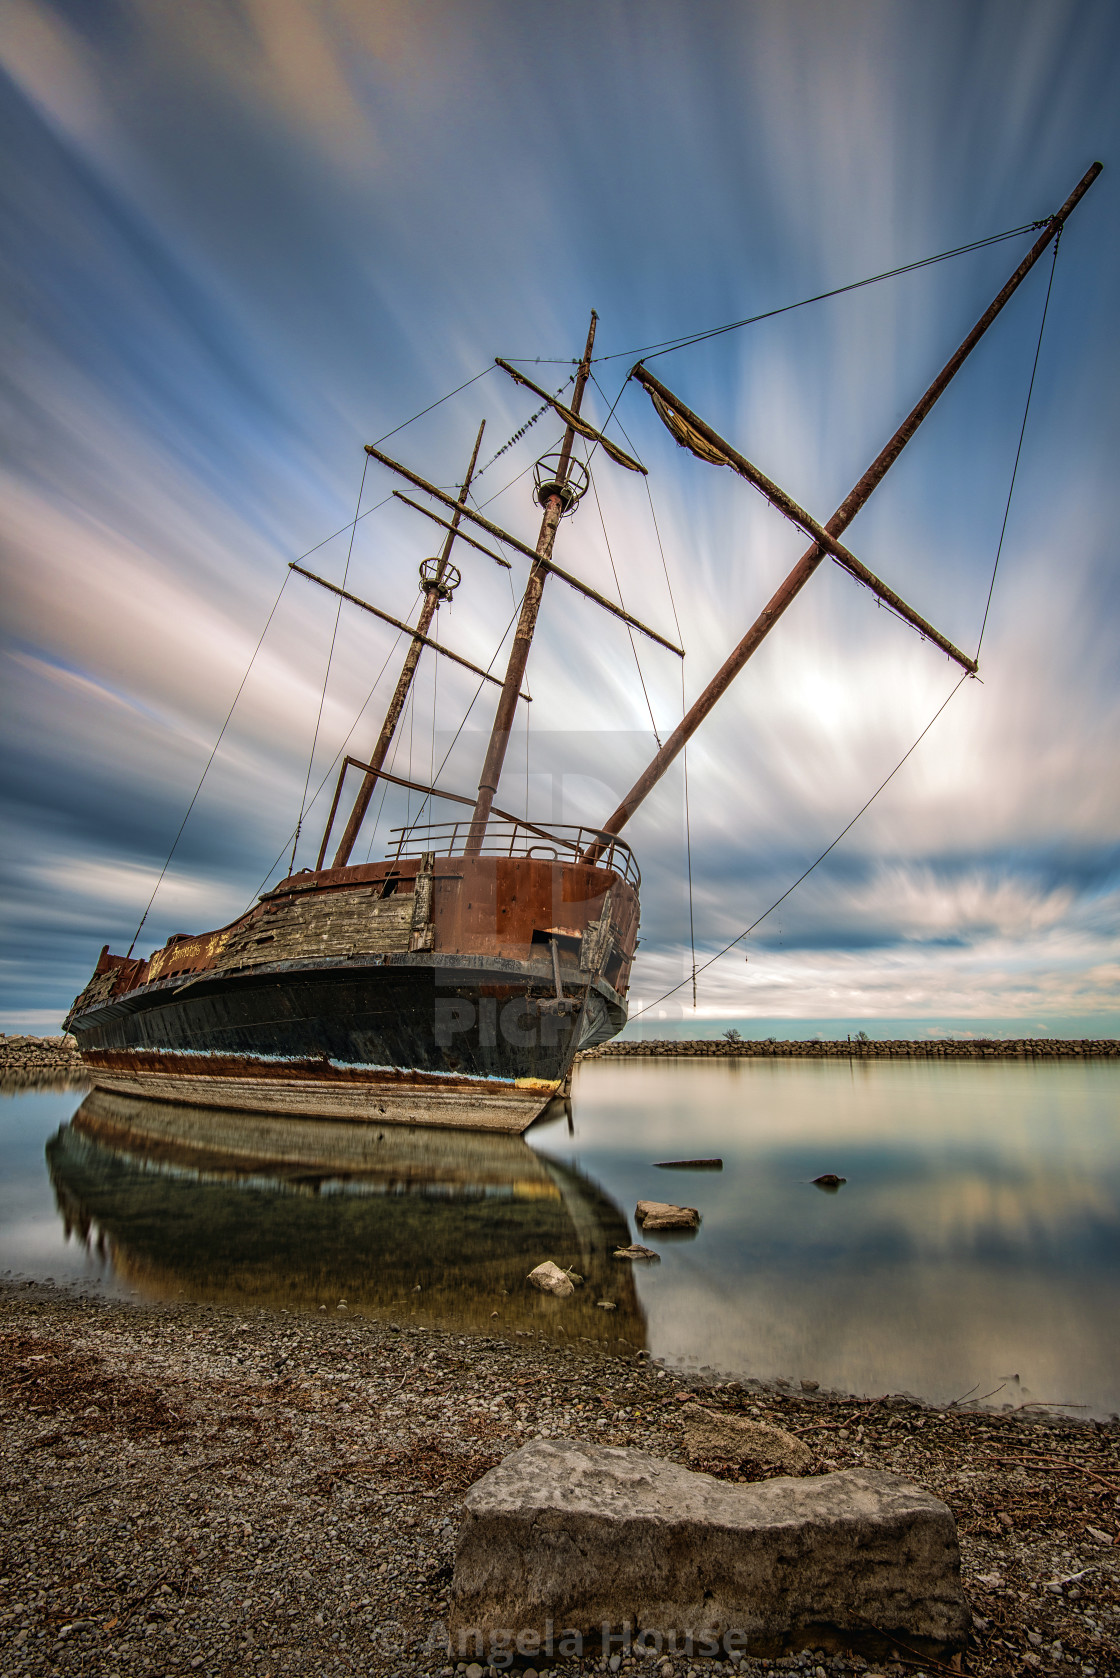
[
  {"x": 891, "y": 1048},
  {"x": 39, "y": 1063}
]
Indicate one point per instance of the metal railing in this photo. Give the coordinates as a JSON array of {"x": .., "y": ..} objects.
[{"x": 512, "y": 837}]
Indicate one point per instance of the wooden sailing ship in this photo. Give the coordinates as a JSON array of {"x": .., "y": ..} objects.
[{"x": 453, "y": 982}]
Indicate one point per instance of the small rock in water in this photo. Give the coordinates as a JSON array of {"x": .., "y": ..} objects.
[
  {"x": 659, "y": 1214},
  {"x": 606, "y": 1305},
  {"x": 809, "y": 1386},
  {"x": 635, "y": 1251},
  {"x": 551, "y": 1279},
  {"x": 829, "y": 1181}
]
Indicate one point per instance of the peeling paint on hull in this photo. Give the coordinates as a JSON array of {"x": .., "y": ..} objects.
[{"x": 418, "y": 1040}]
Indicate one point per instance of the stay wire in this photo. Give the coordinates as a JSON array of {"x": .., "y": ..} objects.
[
  {"x": 815, "y": 864},
  {"x": 1019, "y": 448},
  {"x": 688, "y": 853},
  {"x": 209, "y": 761},
  {"x": 666, "y": 346},
  {"x": 470, "y": 708},
  {"x": 334, "y": 762},
  {"x": 680, "y": 637},
  {"x": 306, "y": 555},
  {"x": 327, "y": 671},
  {"x": 652, "y": 508},
  {"x": 622, "y": 603}
]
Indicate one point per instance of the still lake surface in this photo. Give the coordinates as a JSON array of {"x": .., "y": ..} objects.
[{"x": 975, "y": 1245}]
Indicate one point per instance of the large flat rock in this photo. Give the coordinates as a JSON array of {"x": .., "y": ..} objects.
[{"x": 563, "y": 1538}]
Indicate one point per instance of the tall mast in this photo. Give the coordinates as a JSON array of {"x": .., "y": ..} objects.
[
  {"x": 554, "y": 496},
  {"x": 839, "y": 521},
  {"x": 434, "y": 591}
]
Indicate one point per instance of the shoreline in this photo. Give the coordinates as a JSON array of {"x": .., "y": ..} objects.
[
  {"x": 194, "y": 1488},
  {"x": 30, "y": 1063},
  {"x": 883, "y": 1048}
]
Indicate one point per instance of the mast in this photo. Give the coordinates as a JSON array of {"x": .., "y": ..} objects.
[
  {"x": 839, "y": 522},
  {"x": 434, "y": 591},
  {"x": 555, "y": 497}
]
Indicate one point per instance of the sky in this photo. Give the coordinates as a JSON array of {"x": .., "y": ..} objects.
[{"x": 245, "y": 237}]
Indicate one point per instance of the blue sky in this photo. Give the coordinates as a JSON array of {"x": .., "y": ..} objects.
[{"x": 245, "y": 238}]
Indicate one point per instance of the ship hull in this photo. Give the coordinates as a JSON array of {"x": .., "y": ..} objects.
[
  {"x": 416, "y": 1039},
  {"x": 438, "y": 991}
]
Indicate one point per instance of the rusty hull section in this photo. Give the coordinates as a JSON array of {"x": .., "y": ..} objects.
[{"x": 415, "y": 992}]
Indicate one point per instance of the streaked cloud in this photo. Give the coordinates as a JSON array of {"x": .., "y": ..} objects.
[{"x": 248, "y": 238}]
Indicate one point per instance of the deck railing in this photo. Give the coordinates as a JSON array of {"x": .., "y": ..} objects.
[{"x": 515, "y": 838}]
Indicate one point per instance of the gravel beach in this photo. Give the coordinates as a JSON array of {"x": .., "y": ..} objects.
[{"x": 189, "y": 1488}]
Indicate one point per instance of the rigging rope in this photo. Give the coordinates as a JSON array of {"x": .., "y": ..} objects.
[
  {"x": 816, "y": 864},
  {"x": 545, "y": 407},
  {"x": 470, "y": 708},
  {"x": 622, "y": 603},
  {"x": 1022, "y": 433},
  {"x": 284, "y": 583},
  {"x": 666, "y": 346},
  {"x": 332, "y": 766},
  {"x": 209, "y": 761},
  {"x": 991, "y": 588},
  {"x": 327, "y": 671}
]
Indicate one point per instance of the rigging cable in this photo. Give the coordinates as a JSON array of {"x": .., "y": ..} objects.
[
  {"x": 334, "y": 761},
  {"x": 622, "y": 603},
  {"x": 260, "y": 639},
  {"x": 944, "y": 704},
  {"x": 327, "y": 671},
  {"x": 1019, "y": 449},
  {"x": 470, "y": 707},
  {"x": 666, "y": 346},
  {"x": 680, "y": 638},
  {"x": 789, "y": 889},
  {"x": 209, "y": 761}
]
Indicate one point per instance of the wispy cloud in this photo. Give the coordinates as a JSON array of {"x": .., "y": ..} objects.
[{"x": 247, "y": 239}]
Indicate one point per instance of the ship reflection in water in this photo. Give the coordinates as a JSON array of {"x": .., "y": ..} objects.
[{"x": 433, "y": 1225}]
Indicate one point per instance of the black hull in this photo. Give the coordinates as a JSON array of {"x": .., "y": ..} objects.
[{"x": 412, "y": 1038}]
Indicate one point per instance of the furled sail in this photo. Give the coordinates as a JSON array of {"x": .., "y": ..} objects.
[{"x": 686, "y": 435}]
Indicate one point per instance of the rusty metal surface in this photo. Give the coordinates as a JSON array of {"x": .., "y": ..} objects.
[
  {"x": 483, "y": 908},
  {"x": 839, "y": 521},
  {"x": 805, "y": 521}
]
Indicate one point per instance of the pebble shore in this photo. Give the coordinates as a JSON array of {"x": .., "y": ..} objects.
[{"x": 192, "y": 1489}]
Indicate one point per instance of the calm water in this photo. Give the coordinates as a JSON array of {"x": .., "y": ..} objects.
[{"x": 975, "y": 1245}]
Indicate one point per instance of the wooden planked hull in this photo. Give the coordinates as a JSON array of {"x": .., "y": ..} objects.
[{"x": 332, "y": 999}]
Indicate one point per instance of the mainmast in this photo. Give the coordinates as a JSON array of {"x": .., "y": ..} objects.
[
  {"x": 555, "y": 496},
  {"x": 436, "y": 588}
]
